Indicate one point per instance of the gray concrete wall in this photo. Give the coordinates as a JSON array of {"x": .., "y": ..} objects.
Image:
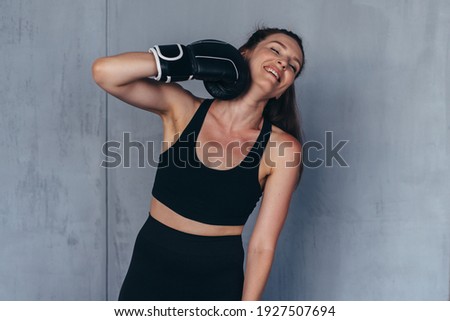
[
  {"x": 52, "y": 126},
  {"x": 377, "y": 75}
]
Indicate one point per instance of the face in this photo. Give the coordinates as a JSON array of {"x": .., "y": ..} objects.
[{"x": 274, "y": 63}]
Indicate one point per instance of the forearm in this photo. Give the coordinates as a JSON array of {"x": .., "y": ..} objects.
[
  {"x": 124, "y": 68},
  {"x": 259, "y": 263}
]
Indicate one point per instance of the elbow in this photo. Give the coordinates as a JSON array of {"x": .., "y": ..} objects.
[
  {"x": 261, "y": 250},
  {"x": 99, "y": 71},
  {"x": 258, "y": 245}
]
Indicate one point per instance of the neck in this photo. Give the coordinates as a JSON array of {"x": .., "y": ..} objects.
[{"x": 241, "y": 113}]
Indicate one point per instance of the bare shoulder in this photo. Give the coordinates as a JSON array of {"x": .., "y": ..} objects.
[
  {"x": 180, "y": 111},
  {"x": 176, "y": 95},
  {"x": 181, "y": 102},
  {"x": 284, "y": 150}
]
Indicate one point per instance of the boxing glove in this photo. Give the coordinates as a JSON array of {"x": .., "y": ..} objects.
[{"x": 222, "y": 68}]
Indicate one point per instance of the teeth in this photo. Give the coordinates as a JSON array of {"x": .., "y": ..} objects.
[{"x": 273, "y": 72}]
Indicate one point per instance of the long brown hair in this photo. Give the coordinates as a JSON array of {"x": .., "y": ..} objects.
[{"x": 282, "y": 112}]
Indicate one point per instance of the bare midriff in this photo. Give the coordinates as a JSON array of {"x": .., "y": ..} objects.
[{"x": 168, "y": 217}]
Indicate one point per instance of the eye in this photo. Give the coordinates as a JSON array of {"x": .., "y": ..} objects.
[
  {"x": 293, "y": 68},
  {"x": 276, "y": 51}
]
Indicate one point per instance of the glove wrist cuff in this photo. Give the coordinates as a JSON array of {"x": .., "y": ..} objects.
[
  {"x": 172, "y": 62},
  {"x": 158, "y": 64}
]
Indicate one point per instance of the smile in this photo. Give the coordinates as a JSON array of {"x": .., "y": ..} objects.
[{"x": 273, "y": 72}]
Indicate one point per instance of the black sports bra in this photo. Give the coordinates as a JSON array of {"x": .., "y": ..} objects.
[{"x": 191, "y": 189}]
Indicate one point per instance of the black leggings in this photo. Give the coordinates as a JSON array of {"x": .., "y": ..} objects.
[{"x": 168, "y": 264}]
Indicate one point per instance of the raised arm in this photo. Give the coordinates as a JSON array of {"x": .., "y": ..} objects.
[
  {"x": 221, "y": 66},
  {"x": 125, "y": 76}
]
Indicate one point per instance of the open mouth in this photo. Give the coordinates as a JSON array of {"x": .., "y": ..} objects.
[{"x": 273, "y": 71}]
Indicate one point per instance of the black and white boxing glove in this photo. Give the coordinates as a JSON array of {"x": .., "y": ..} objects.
[{"x": 222, "y": 68}]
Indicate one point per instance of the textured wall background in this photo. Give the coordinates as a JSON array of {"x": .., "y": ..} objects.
[
  {"x": 377, "y": 75},
  {"x": 52, "y": 124}
]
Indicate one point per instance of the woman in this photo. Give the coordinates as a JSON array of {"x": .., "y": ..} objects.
[{"x": 190, "y": 247}]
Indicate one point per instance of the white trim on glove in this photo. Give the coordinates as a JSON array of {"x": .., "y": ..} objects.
[{"x": 158, "y": 64}]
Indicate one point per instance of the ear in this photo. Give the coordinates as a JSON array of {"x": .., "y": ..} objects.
[{"x": 245, "y": 53}]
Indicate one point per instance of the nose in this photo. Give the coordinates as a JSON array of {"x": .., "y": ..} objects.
[{"x": 282, "y": 63}]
